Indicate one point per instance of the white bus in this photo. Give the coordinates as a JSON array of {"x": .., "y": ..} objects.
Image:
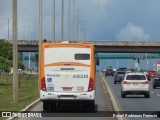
[{"x": 67, "y": 74}]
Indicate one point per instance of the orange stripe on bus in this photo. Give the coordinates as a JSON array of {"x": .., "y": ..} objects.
[
  {"x": 47, "y": 45},
  {"x": 67, "y": 64}
]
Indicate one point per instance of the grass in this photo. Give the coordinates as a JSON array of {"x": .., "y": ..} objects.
[{"x": 27, "y": 92}]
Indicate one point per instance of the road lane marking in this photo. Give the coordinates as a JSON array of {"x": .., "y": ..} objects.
[
  {"x": 152, "y": 92},
  {"x": 158, "y": 94}
]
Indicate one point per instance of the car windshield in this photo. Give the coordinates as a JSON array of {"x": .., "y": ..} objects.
[
  {"x": 135, "y": 77},
  {"x": 120, "y": 72},
  {"x": 122, "y": 69},
  {"x": 109, "y": 69},
  {"x": 152, "y": 71}
]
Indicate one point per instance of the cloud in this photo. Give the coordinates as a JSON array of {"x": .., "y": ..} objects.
[
  {"x": 132, "y": 32},
  {"x": 102, "y": 19},
  {"x": 101, "y": 3},
  {"x": 5, "y": 12}
]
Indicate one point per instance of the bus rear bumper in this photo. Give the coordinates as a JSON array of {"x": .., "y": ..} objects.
[{"x": 67, "y": 96}]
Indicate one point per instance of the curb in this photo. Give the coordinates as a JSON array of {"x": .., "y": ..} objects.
[
  {"x": 25, "y": 109},
  {"x": 30, "y": 106}
]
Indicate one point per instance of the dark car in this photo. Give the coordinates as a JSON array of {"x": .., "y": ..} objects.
[
  {"x": 119, "y": 76},
  {"x": 122, "y": 69},
  {"x": 156, "y": 81},
  {"x": 109, "y": 71}
]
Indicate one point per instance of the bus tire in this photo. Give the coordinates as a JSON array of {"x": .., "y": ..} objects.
[
  {"x": 92, "y": 105},
  {"x": 45, "y": 106},
  {"x": 53, "y": 106}
]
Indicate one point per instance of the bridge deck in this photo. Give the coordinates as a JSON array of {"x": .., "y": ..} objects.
[{"x": 102, "y": 46}]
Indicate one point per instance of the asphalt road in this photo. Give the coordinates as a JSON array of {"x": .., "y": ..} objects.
[
  {"x": 103, "y": 104},
  {"x": 135, "y": 102}
]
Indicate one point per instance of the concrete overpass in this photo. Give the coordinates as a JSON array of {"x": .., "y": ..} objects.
[{"x": 102, "y": 46}]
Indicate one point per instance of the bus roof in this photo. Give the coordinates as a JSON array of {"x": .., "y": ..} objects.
[{"x": 67, "y": 44}]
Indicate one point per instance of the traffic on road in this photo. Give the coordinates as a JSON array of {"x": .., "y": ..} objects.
[{"x": 131, "y": 107}]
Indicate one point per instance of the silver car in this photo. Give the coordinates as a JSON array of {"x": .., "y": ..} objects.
[{"x": 135, "y": 83}]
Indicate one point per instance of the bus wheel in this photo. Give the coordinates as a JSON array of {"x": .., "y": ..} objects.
[
  {"x": 45, "y": 106},
  {"x": 53, "y": 106},
  {"x": 92, "y": 105}
]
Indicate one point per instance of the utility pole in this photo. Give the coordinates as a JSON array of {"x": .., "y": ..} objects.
[
  {"x": 15, "y": 52},
  {"x": 8, "y": 28},
  {"x": 40, "y": 38},
  {"x": 53, "y": 20},
  {"x": 62, "y": 29},
  {"x": 29, "y": 57},
  {"x": 69, "y": 19},
  {"x": 146, "y": 61},
  {"x": 78, "y": 28},
  {"x": 73, "y": 21},
  {"x": 78, "y": 24}
]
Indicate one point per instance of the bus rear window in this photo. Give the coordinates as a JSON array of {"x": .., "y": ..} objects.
[{"x": 82, "y": 56}]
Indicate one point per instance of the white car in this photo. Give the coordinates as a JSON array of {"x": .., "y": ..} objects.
[{"x": 135, "y": 83}]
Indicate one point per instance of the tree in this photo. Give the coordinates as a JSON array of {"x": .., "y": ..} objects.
[
  {"x": 5, "y": 64},
  {"x": 5, "y": 49},
  {"x": 6, "y": 56}
]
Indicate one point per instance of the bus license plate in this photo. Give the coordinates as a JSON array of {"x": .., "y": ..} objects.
[{"x": 67, "y": 89}]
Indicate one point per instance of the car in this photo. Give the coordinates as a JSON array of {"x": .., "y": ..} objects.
[
  {"x": 156, "y": 81},
  {"x": 103, "y": 70},
  {"x": 146, "y": 72},
  {"x": 151, "y": 74},
  {"x": 119, "y": 76},
  {"x": 109, "y": 71},
  {"x": 122, "y": 69},
  {"x": 135, "y": 83}
]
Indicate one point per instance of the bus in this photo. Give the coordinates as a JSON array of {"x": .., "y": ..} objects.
[{"x": 67, "y": 74}]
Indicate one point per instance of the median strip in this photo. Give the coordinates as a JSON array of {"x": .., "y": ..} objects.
[{"x": 111, "y": 96}]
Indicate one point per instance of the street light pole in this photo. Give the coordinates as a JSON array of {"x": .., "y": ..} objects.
[
  {"x": 15, "y": 52},
  {"x": 73, "y": 21},
  {"x": 53, "y": 20},
  {"x": 8, "y": 27},
  {"x": 77, "y": 24},
  {"x": 69, "y": 19},
  {"x": 78, "y": 21},
  {"x": 62, "y": 29},
  {"x": 40, "y": 38}
]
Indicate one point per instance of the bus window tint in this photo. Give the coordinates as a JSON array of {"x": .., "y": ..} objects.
[{"x": 82, "y": 57}]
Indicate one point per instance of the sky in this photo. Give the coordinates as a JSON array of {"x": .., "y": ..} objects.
[{"x": 136, "y": 20}]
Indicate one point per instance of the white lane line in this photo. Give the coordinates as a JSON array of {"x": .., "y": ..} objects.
[
  {"x": 152, "y": 92},
  {"x": 158, "y": 94}
]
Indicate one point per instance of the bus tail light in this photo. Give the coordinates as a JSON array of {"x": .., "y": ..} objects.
[
  {"x": 43, "y": 84},
  {"x": 91, "y": 85}
]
